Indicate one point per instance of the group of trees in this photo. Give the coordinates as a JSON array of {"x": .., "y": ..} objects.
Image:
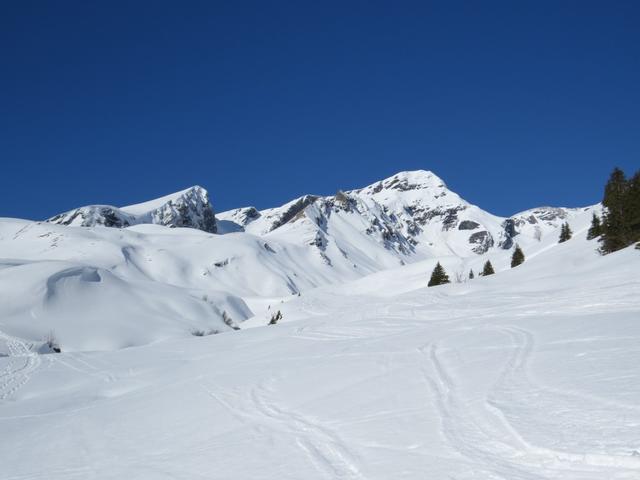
[
  {"x": 440, "y": 277},
  {"x": 565, "y": 233},
  {"x": 618, "y": 228},
  {"x": 620, "y": 225}
]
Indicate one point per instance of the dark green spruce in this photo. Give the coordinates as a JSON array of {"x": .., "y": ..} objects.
[
  {"x": 633, "y": 202},
  {"x": 565, "y": 233},
  {"x": 487, "y": 269},
  {"x": 616, "y": 231},
  {"x": 438, "y": 276},
  {"x": 518, "y": 257},
  {"x": 595, "y": 230}
]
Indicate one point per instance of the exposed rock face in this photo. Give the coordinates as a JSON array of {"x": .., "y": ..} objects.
[
  {"x": 294, "y": 209},
  {"x": 94, "y": 215},
  {"x": 509, "y": 231},
  {"x": 549, "y": 214},
  {"x": 190, "y": 208},
  {"x": 483, "y": 241},
  {"x": 468, "y": 225}
]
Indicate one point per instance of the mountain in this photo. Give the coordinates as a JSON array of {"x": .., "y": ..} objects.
[
  {"x": 88, "y": 283},
  {"x": 164, "y": 359},
  {"x": 187, "y": 208},
  {"x": 402, "y": 219},
  {"x": 528, "y": 374}
]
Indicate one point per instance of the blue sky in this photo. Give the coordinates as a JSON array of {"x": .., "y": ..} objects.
[{"x": 513, "y": 104}]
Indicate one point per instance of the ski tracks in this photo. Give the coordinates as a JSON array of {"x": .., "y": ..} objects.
[
  {"x": 489, "y": 453},
  {"x": 327, "y": 452},
  {"x": 23, "y": 362},
  {"x": 488, "y": 441},
  {"x": 324, "y": 448},
  {"x": 516, "y": 374}
]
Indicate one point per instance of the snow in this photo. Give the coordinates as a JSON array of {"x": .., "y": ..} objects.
[{"x": 531, "y": 373}]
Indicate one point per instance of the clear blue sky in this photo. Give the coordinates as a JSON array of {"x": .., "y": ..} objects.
[{"x": 514, "y": 104}]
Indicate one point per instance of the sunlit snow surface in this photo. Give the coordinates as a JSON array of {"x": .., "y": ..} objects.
[{"x": 532, "y": 373}]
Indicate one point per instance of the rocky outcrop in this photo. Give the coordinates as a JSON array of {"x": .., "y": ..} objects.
[
  {"x": 468, "y": 225},
  {"x": 508, "y": 233},
  {"x": 92, "y": 215},
  {"x": 482, "y": 242},
  {"x": 190, "y": 208},
  {"x": 294, "y": 209}
]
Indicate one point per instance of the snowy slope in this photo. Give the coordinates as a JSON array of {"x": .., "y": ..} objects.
[
  {"x": 103, "y": 288},
  {"x": 528, "y": 374}
]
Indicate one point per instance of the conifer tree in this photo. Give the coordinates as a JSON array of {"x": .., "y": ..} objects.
[
  {"x": 633, "y": 204},
  {"x": 275, "y": 318},
  {"x": 565, "y": 233},
  {"x": 471, "y": 274},
  {"x": 438, "y": 276},
  {"x": 487, "y": 269},
  {"x": 595, "y": 230},
  {"x": 518, "y": 256},
  {"x": 615, "y": 222}
]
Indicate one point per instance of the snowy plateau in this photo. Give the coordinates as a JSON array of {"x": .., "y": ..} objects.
[{"x": 168, "y": 368}]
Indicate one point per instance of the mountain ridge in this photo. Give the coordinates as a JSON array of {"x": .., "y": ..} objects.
[
  {"x": 190, "y": 207},
  {"x": 407, "y": 217}
]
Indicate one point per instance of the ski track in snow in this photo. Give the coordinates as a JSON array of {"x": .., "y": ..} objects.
[
  {"x": 22, "y": 363},
  {"x": 327, "y": 452},
  {"x": 489, "y": 441},
  {"x": 324, "y": 448}
]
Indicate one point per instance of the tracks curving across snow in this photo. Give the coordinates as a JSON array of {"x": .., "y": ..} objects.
[
  {"x": 474, "y": 425},
  {"x": 22, "y": 363},
  {"x": 516, "y": 374},
  {"x": 324, "y": 448}
]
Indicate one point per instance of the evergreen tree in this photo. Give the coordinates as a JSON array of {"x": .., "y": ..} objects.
[
  {"x": 438, "y": 276},
  {"x": 615, "y": 222},
  {"x": 275, "y": 318},
  {"x": 518, "y": 256},
  {"x": 565, "y": 233},
  {"x": 595, "y": 230},
  {"x": 487, "y": 269},
  {"x": 633, "y": 204},
  {"x": 471, "y": 275}
]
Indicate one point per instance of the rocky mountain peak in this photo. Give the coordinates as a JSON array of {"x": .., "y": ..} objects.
[
  {"x": 188, "y": 208},
  {"x": 406, "y": 181}
]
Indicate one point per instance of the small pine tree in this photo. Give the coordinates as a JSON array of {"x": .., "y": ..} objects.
[
  {"x": 487, "y": 269},
  {"x": 438, "y": 276},
  {"x": 471, "y": 275},
  {"x": 595, "y": 230},
  {"x": 518, "y": 256},
  {"x": 275, "y": 318},
  {"x": 565, "y": 233}
]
